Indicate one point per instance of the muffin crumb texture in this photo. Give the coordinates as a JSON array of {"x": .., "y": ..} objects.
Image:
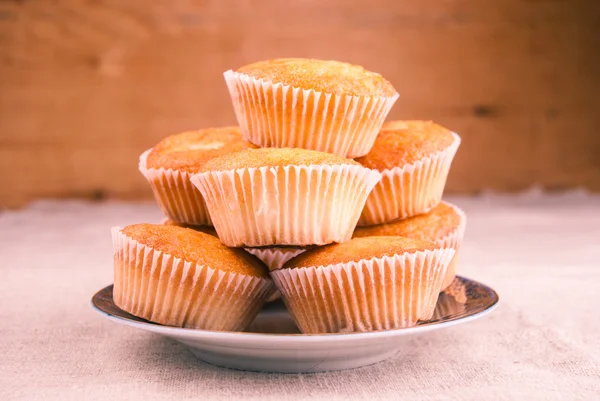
[
  {"x": 442, "y": 220},
  {"x": 359, "y": 249},
  {"x": 188, "y": 151},
  {"x": 406, "y": 142},
  {"x": 320, "y": 75}
]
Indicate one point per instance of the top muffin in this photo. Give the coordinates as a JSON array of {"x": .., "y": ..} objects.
[
  {"x": 322, "y": 76},
  {"x": 405, "y": 142},
  {"x": 274, "y": 157},
  {"x": 190, "y": 150}
]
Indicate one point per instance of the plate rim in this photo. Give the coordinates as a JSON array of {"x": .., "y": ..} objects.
[{"x": 288, "y": 337}]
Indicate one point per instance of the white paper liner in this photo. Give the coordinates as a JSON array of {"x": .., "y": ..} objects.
[
  {"x": 409, "y": 190},
  {"x": 453, "y": 240},
  {"x": 278, "y": 115},
  {"x": 290, "y": 205},
  {"x": 275, "y": 257},
  {"x": 179, "y": 200},
  {"x": 159, "y": 287},
  {"x": 376, "y": 294}
]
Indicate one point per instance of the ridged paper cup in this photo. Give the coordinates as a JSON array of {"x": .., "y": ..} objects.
[
  {"x": 278, "y": 115},
  {"x": 179, "y": 200},
  {"x": 164, "y": 289},
  {"x": 410, "y": 189},
  {"x": 377, "y": 294},
  {"x": 286, "y": 205},
  {"x": 274, "y": 258},
  {"x": 453, "y": 240}
]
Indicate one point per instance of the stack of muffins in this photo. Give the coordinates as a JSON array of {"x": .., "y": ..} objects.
[{"x": 272, "y": 207}]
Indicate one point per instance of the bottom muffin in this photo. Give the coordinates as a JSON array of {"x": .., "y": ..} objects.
[
  {"x": 443, "y": 225},
  {"x": 180, "y": 277},
  {"x": 365, "y": 284}
]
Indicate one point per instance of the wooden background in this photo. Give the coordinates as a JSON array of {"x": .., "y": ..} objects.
[{"x": 86, "y": 86}]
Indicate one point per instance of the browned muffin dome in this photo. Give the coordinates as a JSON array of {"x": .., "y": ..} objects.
[
  {"x": 405, "y": 142},
  {"x": 322, "y": 76},
  {"x": 189, "y": 151},
  {"x": 358, "y": 249},
  {"x": 197, "y": 247},
  {"x": 441, "y": 221},
  {"x": 274, "y": 157}
]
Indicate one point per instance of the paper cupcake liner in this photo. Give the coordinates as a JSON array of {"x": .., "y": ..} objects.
[
  {"x": 161, "y": 288},
  {"x": 179, "y": 200},
  {"x": 290, "y": 205},
  {"x": 409, "y": 190},
  {"x": 453, "y": 240},
  {"x": 278, "y": 115},
  {"x": 376, "y": 294},
  {"x": 275, "y": 257}
]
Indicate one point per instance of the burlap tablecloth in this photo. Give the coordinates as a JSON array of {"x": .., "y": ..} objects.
[{"x": 542, "y": 255}]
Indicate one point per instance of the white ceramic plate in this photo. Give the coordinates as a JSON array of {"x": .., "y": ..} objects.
[{"x": 273, "y": 343}]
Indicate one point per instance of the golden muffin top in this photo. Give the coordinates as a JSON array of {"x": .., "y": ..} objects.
[
  {"x": 210, "y": 230},
  {"x": 190, "y": 150},
  {"x": 441, "y": 221},
  {"x": 405, "y": 142},
  {"x": 196, "y": 247},
  {"x": 274, "y": 157},
  {"x": 358, "y": 249},
  {"x": 322, "y": 76}
]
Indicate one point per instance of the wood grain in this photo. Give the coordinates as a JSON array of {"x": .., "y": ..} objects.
[{"x": 86, "y": 86}]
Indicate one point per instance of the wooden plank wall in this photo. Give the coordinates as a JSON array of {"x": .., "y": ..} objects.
[{"x": 86, "y": 86}]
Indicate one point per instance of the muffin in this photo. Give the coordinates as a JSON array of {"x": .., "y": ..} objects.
[
  {"x": 327, "y": 106},
  {"x": 270, "y": 196},
  {"x": 169, "y": 165},
  {"x": 414, "y": 158},
  {"x": 366, "y": 284},
  {"x": 444, "y": 225},
  {"x": 185, "y": 278}
]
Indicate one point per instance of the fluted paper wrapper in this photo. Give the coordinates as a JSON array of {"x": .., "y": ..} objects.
[
  {"x": 409, "y": 190},
  {"x": 290, "y": 205},
  {"x": 179, "y": 200},
  {"x": 451, "y": 301},
  {"x": 376, "y": 294},
  {"x": 164, "y": 289},
  {"x": 279, "y": 116},
  {"x": 453, "y": 240},
  {"x": 275, "y": 257}
]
